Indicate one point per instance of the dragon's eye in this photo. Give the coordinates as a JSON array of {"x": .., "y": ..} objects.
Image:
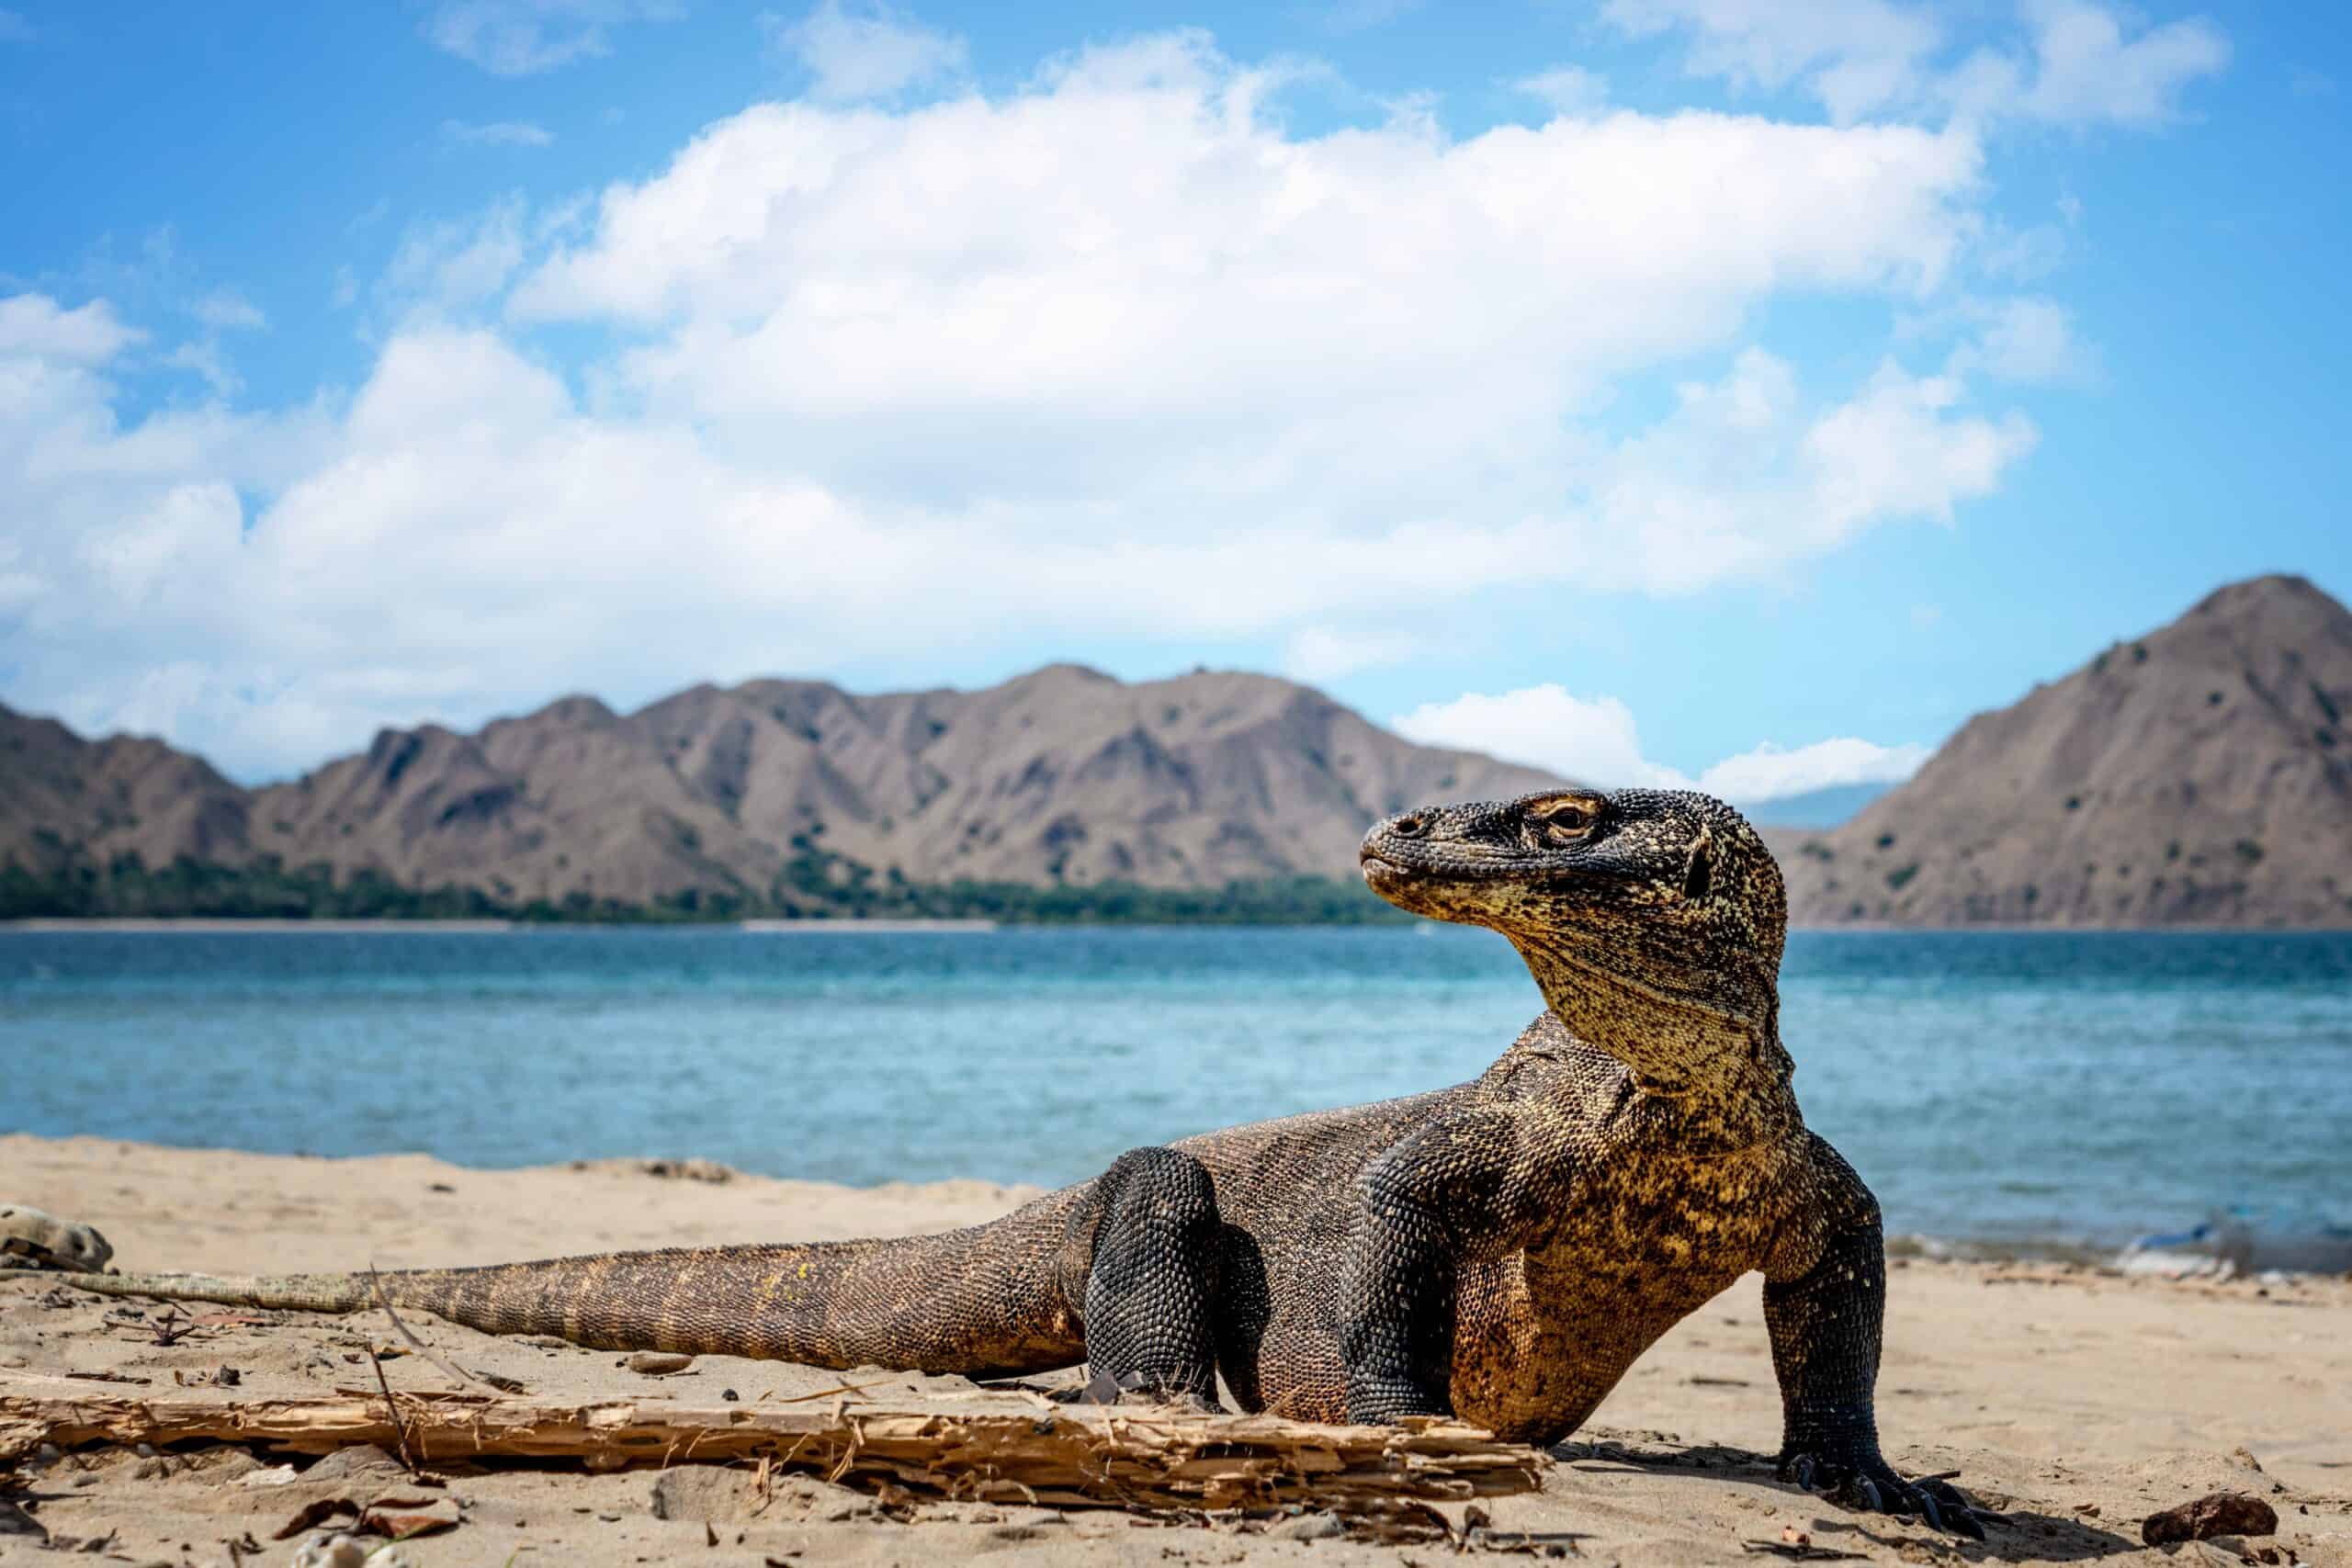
[{"x": 1564, "y": 823}]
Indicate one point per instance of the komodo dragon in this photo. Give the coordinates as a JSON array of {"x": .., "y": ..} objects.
[{"x": 1501, "y": 1251}]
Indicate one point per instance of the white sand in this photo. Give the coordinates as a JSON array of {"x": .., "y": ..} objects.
[{"x": 2054, "y": 1392}]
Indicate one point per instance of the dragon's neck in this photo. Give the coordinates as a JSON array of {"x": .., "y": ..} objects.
[{"x": 1720, "y": 1068}]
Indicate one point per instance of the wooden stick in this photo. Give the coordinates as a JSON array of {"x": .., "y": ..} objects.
[
  {"x": 1091, "y": 1458},
  {"x": 400, "y": 1427}
]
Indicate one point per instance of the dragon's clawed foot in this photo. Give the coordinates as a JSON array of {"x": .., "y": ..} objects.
[{"x": 1865, "y": 1481}]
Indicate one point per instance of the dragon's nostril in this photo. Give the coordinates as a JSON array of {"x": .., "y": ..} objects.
[{"x": 1409, "y": 827}]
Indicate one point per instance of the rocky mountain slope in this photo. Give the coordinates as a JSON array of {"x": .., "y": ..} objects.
[
  {"x": 2200, "y": 774},
  {"x": 764, "y": 791}
]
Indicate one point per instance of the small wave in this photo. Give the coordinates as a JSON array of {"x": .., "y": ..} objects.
[
  {"x": 2232, "y": 1243},
  {"x": 1998, "y": 1249},
  {"x": 2228, "y": 1244}
]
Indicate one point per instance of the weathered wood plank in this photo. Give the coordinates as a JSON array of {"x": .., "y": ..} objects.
[{"x": 1082, "y": 1456}]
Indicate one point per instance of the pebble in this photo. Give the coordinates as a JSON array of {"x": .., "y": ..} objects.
[
  {"x": 1308, "y": 1527},
  {"x": 330, "y": 1551},
  {"x": 2216, "y": 1513},
  {"x": 660, "y": 1363},
  {"x": 352, "y": 1460}
]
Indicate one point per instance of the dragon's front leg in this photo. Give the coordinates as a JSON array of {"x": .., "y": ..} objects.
[{"x": 1826, "y": 1327}]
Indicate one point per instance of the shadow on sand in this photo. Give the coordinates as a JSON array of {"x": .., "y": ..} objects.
[{"x": 2018, "y": 1534}]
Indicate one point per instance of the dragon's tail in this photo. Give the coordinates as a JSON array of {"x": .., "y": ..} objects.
[{"x": 989, "y": 1299}]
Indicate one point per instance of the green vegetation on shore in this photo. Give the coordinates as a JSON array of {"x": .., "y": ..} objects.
[{"x": 815, "y": 884}]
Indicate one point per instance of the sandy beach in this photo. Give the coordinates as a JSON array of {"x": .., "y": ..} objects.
[{"x": 2074, "y": 1401}]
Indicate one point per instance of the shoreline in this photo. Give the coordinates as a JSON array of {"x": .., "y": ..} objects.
[
  {"x": 245, "y": 924},
  {"x": 241, "y": 926},
  {"x": 2071, "y": 1253}
]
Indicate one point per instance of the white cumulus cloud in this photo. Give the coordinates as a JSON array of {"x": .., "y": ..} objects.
[
  {"x": 35, "y": 327},
  {"x": 1590, "y": 740},
  {"x": 1112, "y": 355},
  {"x": 1774, "y": 772},
  {"x": 1595, "y": 740}
]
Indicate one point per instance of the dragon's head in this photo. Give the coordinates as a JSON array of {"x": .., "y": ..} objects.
[{"x": 1653, "y": 919}]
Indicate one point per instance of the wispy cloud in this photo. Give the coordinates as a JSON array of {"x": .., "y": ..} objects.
[
  {"x": 1361, "y": 16},
  {"x": 1326, "y": 653},
  {"x": 228, "y": 310},
  {"x": 203, "y": 358},
  {"x": 367, "y": 218},
  {"x": 523, "y": 38},
  {"x": 855, "y": 53},
  {"x": 452, "y": 265},
  {"x": 497, "y": 133},
  {"x": 1568, "y": 89},
  {"x": 2067, "y": 63}
]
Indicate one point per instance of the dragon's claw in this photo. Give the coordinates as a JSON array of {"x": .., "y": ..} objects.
[{"x": 1867, "y": 1482}]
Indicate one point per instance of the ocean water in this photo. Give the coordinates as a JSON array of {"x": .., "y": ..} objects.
[{"x": 2006, "y": 1089}]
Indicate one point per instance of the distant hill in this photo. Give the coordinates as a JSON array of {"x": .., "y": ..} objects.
[
  {"x": 2200, "y": 774},
  {"x": 773, "y": 796}
]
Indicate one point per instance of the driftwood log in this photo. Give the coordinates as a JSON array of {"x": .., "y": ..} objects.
[{"x": 1054, "y": 1455}]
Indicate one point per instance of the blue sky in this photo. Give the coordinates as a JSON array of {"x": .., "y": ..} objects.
[{"x": 1655, "y": 388}]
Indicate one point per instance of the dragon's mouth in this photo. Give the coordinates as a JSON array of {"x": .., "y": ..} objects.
[{"x": 1385, "y": 870}]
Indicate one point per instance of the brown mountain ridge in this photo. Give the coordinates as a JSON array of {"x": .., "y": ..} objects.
[
  {"x": 769, "y": 795},
  {"x": 2200, "y": 774}
]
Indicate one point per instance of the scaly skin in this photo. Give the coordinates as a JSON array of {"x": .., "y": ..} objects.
[{"x": 1501, "y": 1251}]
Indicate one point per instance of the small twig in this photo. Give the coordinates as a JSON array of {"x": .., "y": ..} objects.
[
  {"x": 400, "y": 1427},
  {"x": 828, "y": 1392},
  {"x": 499, "y": 1384}
]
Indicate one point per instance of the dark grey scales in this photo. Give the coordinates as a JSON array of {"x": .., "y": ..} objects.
[{"x": 1501, "y": 1251}]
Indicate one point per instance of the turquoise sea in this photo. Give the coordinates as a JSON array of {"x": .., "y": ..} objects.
[{"x": 2005, "y": 1088}]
